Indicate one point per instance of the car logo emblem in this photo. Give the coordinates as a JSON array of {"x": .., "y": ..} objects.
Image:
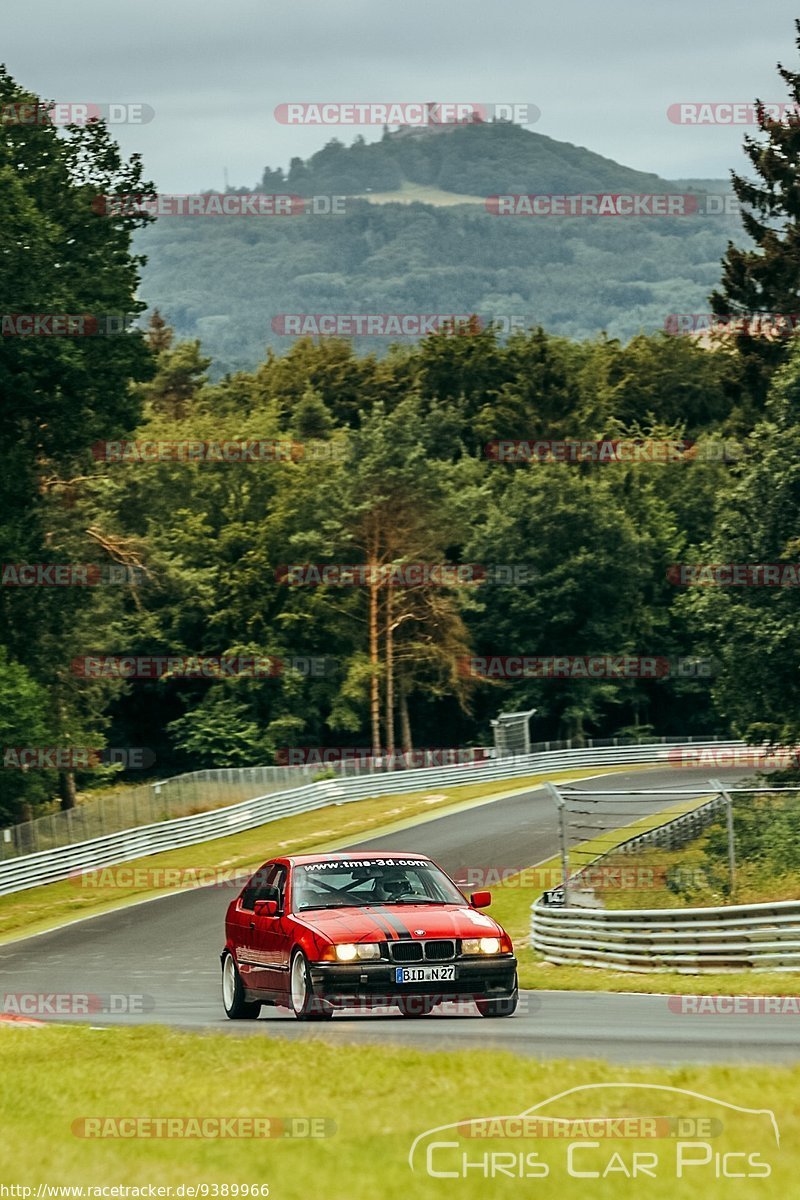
[{"x": 418, "y": 932}]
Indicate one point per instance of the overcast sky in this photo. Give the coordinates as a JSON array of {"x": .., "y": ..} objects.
[{"x": 603, "y": 74}]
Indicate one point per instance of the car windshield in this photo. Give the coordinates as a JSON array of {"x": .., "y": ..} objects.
[{"x": 357, "y": 884}]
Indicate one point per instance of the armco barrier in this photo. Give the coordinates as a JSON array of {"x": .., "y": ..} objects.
[
  {"x": 692, "y": 941},
  {"x": 48, "y": 866},
  {"x": 104, "y": 812}
]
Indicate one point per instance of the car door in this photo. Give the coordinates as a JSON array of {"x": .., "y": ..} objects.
[
  {"x": 248, "y": 951},
  {"x": 271, "y": 935}
]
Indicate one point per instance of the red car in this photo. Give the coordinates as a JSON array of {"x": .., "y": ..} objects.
[{"x": 317, "y": 932}]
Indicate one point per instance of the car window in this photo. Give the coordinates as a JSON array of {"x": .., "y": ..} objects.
[
  {"x": 258, "y": 887},
  {"x": 277, "y": 884},
  {"x": 336, "y": 884}
]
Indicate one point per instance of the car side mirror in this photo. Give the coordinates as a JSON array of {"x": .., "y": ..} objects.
[
  {"x": 480, "y": 899},
  {"x": 266, "y": 908}
]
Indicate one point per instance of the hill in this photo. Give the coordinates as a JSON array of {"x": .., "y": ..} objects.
[
  {"x": 230, "y": 281},
  {"x": 475, "y": 160}
]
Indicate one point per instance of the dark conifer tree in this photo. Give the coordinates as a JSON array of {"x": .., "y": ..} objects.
[{"x": 765, "y": 277}]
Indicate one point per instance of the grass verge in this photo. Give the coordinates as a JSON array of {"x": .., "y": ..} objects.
[{"x": 381, "y": 1099}]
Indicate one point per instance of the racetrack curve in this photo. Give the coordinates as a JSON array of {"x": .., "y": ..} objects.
[{"x": 168, "y": 950}]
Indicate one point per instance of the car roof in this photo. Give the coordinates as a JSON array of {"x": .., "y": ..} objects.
[{"x": 357, "y": 856}]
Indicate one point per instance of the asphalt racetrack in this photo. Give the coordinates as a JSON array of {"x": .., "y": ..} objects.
[{"x": 167, "y": 950}]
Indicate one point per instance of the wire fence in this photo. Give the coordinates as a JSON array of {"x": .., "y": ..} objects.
[{"x": 572, "y": 926}]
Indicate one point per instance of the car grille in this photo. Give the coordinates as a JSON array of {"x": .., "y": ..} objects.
[
  {"x": 433, "y": 951},
  {"x": 406, "y": 952},
  {"x": 440, "y": 950}
]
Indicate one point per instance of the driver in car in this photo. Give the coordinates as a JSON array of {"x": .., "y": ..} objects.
[{"x": 392, "y": 885}]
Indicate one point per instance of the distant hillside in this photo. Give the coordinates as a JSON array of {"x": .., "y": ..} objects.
[
  {"x": 478, "y": 160},
  {"x": 230, "y": 280}
]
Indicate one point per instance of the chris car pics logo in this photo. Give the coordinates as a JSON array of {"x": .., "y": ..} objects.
[{"x": 608, "y": 1131}]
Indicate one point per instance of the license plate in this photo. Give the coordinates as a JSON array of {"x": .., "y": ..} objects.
[{"x": 423, "y": 974}]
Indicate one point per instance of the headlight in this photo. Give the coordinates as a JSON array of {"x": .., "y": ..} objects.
[
  {"x": 348, "y": 952},
  {"x": 480, "y": 946}
]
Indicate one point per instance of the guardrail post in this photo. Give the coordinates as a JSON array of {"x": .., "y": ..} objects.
[
  {"x": 715, "y": 783},
  {"x": 562, "y": 837}
]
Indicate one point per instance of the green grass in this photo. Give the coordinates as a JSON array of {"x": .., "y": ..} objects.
[
  {"x": 381, "y": 1099},
  {"x": 54, "y": 904}
]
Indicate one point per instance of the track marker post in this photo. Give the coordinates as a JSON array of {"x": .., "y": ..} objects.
[
  {"x": 562, "y": 837},
  {"x": 715, "y": 783}
]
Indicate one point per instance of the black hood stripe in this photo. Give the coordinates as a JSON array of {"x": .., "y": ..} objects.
[
  {"x": 383, "y": 925},
  {"x": 399, "y": 927}
]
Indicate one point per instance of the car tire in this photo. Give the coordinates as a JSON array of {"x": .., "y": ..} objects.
[
  {"x": 236, "y": 1007},
  {"x": 506, "y": 1006},
  {"x": 305, "y": 1005},
  {"x": 415, "y": 1006}
]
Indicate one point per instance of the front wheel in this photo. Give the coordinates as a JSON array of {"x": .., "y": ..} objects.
[
  {"x": 236, "y": 1007},
  {"x": 306, "y": 1006},
  {"x": 504, "y": 1007}
]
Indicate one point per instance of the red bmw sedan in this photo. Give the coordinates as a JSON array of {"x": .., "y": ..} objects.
[{"x": 320, "y": 932}]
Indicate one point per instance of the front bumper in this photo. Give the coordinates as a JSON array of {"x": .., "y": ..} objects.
[{"x": 492, "y": 978}]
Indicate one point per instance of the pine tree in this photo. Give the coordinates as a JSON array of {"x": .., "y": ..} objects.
[{"x": 766, "y": 277}]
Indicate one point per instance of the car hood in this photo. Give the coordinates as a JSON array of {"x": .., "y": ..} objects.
[{"x": 386, "y": 922}]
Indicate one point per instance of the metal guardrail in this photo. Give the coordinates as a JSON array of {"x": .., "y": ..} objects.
[
  {"x": 61, "y": 862},
  {"x": 692, "y": 941},
  {"x": 695, "y": 941},
  {"x": 200, "y": 791},
  {"x": 674, "y": 834}
]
